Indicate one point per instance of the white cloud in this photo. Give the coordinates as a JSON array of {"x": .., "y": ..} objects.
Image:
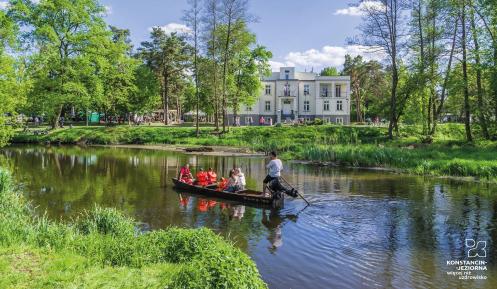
[
  {"x": 4, "y": 5},
  {"x": 360, "y": 9},
  {"x": 327, "y": 56},
  {"x": 108, "y": 9},
  {"x": 174, "y": 27},
  {"x": 276, "y": 65}
]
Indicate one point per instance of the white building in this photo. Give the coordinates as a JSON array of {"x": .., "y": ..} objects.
[{"x": 288, "y": 96}]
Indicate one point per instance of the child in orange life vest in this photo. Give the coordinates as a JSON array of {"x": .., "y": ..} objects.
[
  {"x": 202, "y": 178},
  {"x": 222, "y": 184},
  {"x": 185, "y": 175},
  {"x": 212, "y": 176}
]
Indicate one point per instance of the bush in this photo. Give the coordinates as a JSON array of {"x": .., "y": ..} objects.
[
  {"x": 106, "y": 221},
  {"x": 220, "y": 269}
]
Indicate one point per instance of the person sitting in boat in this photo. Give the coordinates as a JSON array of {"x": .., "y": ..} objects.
[
  {"x": 241, "y": 178},
  {"x": 202, "y": 178},
  {"x": 212, "y": 176},
  {"x": 222, "y": 184},
  {"x": 274, "y": 171},
  {"x": 185, "y": 175},
  {"x": 233, "y": 184}
]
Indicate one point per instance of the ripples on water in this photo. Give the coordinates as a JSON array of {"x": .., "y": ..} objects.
[{"x": 364, "y": 229}]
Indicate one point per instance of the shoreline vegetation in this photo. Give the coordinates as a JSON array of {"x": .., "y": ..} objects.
[
  {"x": 102, "y": 248},
  {"x": 348, "y": 146}
]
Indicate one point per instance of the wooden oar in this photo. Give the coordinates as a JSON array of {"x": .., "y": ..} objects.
[{"x": 295, "y": 190}]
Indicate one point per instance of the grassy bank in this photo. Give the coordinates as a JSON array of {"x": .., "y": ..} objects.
[
  {"x": 449, "y": 155},
  {"x": 103, "y": 249}
]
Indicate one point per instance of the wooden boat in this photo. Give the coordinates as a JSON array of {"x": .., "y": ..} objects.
[{"x": 244, "y": 197}]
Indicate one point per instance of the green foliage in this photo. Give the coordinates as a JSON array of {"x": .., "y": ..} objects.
[
  {"x": 105, "y": 221},
  {"x": 104, "y": 240},
  {"x": 12, "y": 84},
  {"x": 329, "y": 71}
]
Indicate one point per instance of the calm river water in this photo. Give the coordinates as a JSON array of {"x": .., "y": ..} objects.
[{"x": 365, "y": 229}]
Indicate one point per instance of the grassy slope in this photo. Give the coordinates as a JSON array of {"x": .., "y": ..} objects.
[
  {"x": 28, "y": 267},
  {"x": 102, "y": 249},
  {"x": 350, "y": 146}
]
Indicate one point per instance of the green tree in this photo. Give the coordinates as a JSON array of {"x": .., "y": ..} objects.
[
  {"x": 70, "y": 36},
  {"x": 117, "y": 71},
  {"x": 250, "y": 66},
  {"x": 168, "y": 56},
  {"x": 234, "y": 14},
  {"x": 146, "y": 97},
  {"x": 193, "y": 19},
  {"x": 368, "y": 86},
  {"x": 12, "y": 90},
  {"x": 329, "y": 71}
]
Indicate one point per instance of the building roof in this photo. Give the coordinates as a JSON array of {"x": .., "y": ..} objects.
[{"x": 306, "y": 76}]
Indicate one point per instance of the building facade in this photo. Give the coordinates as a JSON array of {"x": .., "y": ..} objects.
[{"x": 289, "y": 96}]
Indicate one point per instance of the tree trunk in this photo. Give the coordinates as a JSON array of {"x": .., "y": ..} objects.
[
  {"x": 494, "y": 80},
  {"x": 357, "y": 93},
  {"x": 439, "y": 109},
  {"x": 393, "y": 101},
  {"x": 197, "y": 96},
  {"x": 55, "y": 121},
  {"x": 467, "y": 112},
  {"x": 479, "y": 89},
  {"x": 166, "y": 101},
  {"x": 225, "y": 67}
]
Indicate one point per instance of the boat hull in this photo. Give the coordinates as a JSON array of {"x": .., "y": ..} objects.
[{"x": 245, "y": 197}]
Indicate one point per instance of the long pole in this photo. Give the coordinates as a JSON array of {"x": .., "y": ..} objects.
[{"x": 295, "y": 190}]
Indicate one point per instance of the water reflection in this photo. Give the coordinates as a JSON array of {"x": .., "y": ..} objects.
[{"x": 364, "y": 230}]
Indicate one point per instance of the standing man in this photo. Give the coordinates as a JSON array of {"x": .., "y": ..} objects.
[{"x": 274, "y": 170}]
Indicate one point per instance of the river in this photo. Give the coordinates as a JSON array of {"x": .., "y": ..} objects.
[{"x": 364, "y": 229}]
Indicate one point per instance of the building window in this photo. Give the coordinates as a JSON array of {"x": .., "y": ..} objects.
[
  {"x": 307, "y": 89},
  {"x": 339, "y": 105},
  {"x": 326, "y": 105},
  {"x": 268, "y": 89},
  {"x": 324, "y": 91},
  {"x": 339, "y": 120},
  {"x": 287, "y": 90},
  {"x": 287, "y": 74},
  {"x": 268, "y": 106},
  {"x": 307, "y": 106},
  {"x": 327, "y": 120},
  {"x": 338, "y": 91}
]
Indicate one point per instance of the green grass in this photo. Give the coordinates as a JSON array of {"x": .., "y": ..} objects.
[
  {"x": 358, "y": 146},
  {"x": 102, "y": 248}
]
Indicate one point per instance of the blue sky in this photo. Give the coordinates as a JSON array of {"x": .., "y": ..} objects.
[{"x": 306, "y": 34}]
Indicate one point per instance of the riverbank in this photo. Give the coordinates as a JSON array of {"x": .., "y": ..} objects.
[
  {"x": 102, "y": 248},
  {"x": 351, "y": 146}
]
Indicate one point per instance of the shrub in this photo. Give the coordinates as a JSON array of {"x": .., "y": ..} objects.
[
  {"x": 223, "y": 268},
  {"x": 107, "y": 221}
]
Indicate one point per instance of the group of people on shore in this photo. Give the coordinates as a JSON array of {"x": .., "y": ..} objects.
[{"x": 234, "y": 183}]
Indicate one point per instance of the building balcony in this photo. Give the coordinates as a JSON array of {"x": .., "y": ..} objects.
[{"x": 289, "y": 93}]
